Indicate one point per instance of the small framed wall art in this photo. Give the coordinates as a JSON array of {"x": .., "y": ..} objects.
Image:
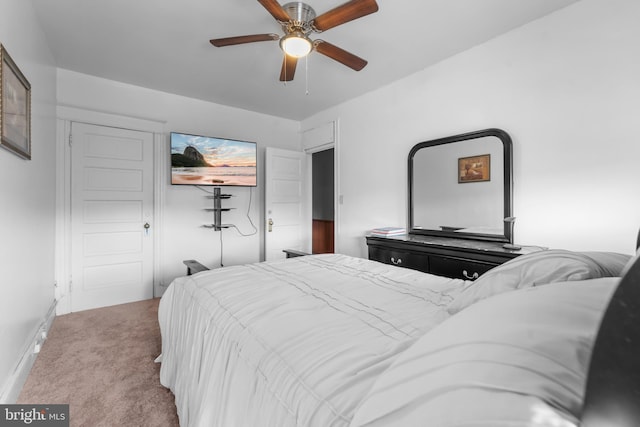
[
  {"x": 474, "y": 169},
  {"x": 15, "y": 107}
]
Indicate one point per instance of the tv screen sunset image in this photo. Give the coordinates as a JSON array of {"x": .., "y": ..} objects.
[{"x": 203, "y": 160}]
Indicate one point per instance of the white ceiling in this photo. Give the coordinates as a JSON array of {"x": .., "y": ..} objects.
[{"x": 164, "y": 45}]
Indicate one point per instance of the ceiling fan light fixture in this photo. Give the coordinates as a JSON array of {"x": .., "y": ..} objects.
[{"x": 296, "y": 44}]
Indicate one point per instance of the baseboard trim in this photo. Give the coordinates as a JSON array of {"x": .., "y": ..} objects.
[{"x": 12, "y": 387}]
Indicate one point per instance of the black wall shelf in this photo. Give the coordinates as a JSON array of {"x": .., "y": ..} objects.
[{"x": 218, "y": 209}]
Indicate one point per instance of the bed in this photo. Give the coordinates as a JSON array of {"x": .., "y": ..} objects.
[{"x": 332, "y": 340}]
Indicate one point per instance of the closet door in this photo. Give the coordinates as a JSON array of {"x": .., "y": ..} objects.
[
  {"x": 111, "y": 216},
  {"x": 286, "y": 209}
]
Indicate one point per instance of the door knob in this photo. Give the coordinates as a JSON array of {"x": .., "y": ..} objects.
[{"x": 270, "y": 225}]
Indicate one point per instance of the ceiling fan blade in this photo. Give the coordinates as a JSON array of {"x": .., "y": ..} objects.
[
  {"x": 349, "y": 11},
  {"x": 229, "y": 41},
  {"x": 340, "y": 55},
  {"x": 274, "y": 8},
  {"x": 288, "y": 68}
]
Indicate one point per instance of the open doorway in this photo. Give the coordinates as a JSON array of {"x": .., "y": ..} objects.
[{"x": 323, "y": 202}]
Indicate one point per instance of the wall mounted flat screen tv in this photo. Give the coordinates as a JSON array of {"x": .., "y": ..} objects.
[{"x": 206, "y": 160}]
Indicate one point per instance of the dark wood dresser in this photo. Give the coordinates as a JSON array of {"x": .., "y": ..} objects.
[{"x": 444, "y": 256}]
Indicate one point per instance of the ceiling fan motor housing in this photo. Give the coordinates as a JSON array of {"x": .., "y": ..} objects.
[{"x": 301, "y": 15}]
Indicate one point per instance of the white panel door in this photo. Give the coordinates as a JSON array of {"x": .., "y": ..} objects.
[
  {"x": 111, "y": 216},
  {"x": 286, "y": 211}
]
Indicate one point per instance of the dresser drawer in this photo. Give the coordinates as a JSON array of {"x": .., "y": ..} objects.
[
  {"x": 458, "y": 268},
  {"x": 416, "y": 261},
  {"x": 447, "y": 257}
]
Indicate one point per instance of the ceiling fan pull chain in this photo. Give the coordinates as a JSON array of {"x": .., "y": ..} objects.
[{"x": 306, "y": 75}]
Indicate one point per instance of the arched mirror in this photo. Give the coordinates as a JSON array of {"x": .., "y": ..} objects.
[{"x": 460, "y": 186}]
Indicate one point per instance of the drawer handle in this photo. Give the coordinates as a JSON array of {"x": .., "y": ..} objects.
[
  {"x": 396, "y": 262},
  {"x": 474, "y": 276}
]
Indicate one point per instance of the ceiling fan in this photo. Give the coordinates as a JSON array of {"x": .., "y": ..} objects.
[{"x": 298, "y": 20}]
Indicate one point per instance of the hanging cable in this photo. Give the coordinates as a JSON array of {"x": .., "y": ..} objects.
[
  {"x": 221, "y": 249},
  {"x": 210, "y": 193},
  {"x": 255, "y": 229},
  {"x": 202, "y": 189}
]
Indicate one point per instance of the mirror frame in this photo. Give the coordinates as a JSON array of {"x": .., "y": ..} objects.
[{"x": 507, "y": 192}]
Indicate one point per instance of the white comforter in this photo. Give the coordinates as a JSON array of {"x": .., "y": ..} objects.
[{"x": 297, "y": 342}]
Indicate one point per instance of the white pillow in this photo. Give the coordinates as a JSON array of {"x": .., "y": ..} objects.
[
  {"x": 517, "y": 359},
  {"x": 540, "y": 268}
]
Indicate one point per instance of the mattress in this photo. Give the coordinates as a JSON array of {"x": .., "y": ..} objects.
[{"x": 292, "y": 342}]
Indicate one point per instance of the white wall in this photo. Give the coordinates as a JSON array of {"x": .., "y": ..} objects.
[
  {"x": 27, "y": 194},
  {"x": 182, "y": 236},
  {"x": 565, "y": 87}
]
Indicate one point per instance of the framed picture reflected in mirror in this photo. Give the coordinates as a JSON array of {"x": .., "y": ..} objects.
[{"x": 474, "y": 169}]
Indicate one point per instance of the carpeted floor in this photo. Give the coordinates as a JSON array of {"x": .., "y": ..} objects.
[{"x": 100, "y": 362}]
